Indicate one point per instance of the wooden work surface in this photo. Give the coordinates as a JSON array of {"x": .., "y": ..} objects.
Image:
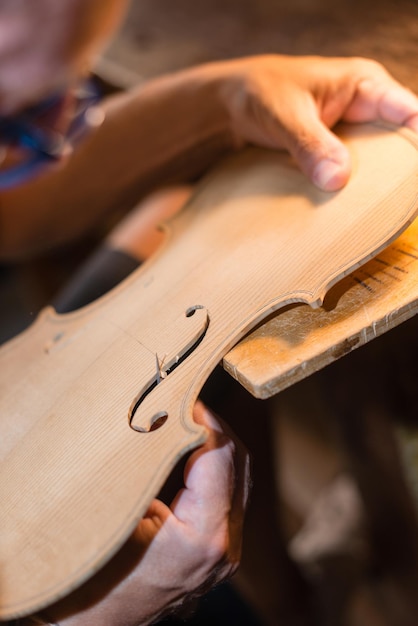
[{"x": 300, "y": 340}]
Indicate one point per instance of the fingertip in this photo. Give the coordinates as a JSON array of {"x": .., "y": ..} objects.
[
  {"x": 399, "y": 105},
  {"x": 203, "y": 416},
  {"x": 330, "y": 175},
  {"x": 412, "y": 123},
  {"x": 199, "y": 410}
]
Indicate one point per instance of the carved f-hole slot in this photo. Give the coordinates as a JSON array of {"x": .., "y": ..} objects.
[{"x": 189, "y": 330}]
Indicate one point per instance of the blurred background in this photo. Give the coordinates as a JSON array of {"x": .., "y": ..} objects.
[{"x": 161, "y": 36}]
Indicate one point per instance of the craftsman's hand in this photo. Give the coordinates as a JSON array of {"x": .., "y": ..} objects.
[
  {"x": 177, "y": 126},
  {"x": 292, "y": 102},
  {"x": 176, "y": 553}
]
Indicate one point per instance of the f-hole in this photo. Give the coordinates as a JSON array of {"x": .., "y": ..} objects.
[{"x": 163, "y": 370}]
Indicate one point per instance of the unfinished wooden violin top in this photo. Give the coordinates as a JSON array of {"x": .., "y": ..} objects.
[{"x": 96, "y": 405}]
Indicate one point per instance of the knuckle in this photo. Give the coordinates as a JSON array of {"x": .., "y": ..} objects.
[{"x": 368, "y": 68}]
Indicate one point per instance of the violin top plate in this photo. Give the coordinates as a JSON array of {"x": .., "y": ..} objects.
[{"x": 96, "y": 405}]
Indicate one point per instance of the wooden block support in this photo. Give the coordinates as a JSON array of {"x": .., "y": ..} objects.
[{"x": 300, "y": 340}]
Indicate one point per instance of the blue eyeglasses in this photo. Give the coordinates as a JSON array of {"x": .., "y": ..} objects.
[{"x": 38, "y": 146}]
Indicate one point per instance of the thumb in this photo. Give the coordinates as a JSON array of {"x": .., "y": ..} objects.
[{"x": 319, "y": 153}]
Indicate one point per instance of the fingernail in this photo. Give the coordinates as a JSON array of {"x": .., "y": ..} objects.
[{"x": 329, "y": 175}]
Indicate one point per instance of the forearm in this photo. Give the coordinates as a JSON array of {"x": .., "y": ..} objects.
[{"x": 170, "y": 129}]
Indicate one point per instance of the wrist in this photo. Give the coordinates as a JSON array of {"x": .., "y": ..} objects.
[
  {"x": 221, "y": 87},
  {"x": 184, "y": 115}
]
